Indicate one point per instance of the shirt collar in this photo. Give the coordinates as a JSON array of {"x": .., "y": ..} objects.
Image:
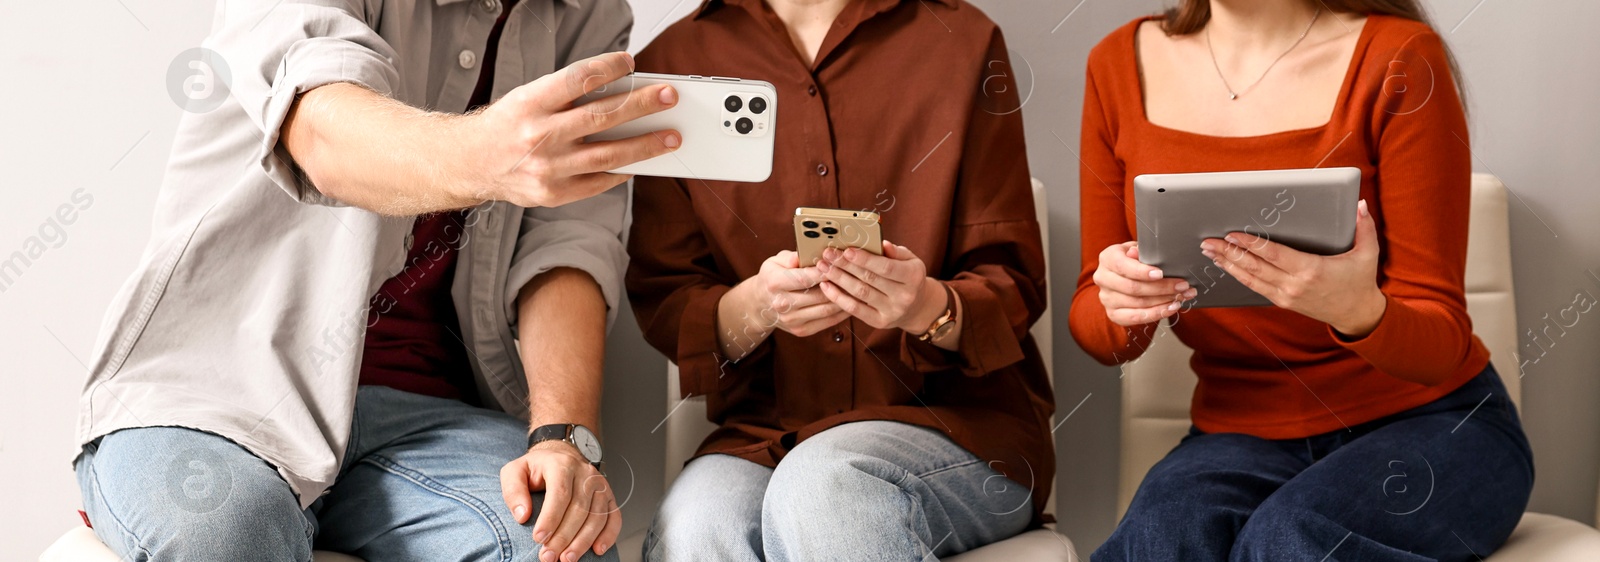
[{"x": 708, "y": 6}]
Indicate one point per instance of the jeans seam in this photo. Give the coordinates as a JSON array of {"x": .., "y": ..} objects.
[
  {"x": 138, "y": 543},
  {"x": 389, "y": 465},
  {"x": 947, "y": 468}
]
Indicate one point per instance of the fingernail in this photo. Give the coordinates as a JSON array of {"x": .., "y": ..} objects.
[
  {"x": 1232, "y": 239},
  {"x": 1155, "y": 274},
  {"x": 546, "y": 556},
  {"x": 1361, "y": 206},
  {"x": 669, "y": 95},
  {"x": 519, "y": 511},
  {"x": 671, "y": 140},
  {"x": 540, "y": 536},
  {"x": 1183, "y": 286},
  {"x": 1191, "y": 294},
  {"x": 1208, "y": 253},
  {"x": 1205, "y": 246},
  {"x": 600, "y": 549},
  {"x": 1173, "y": 306},
  {"x": 569, "y": 557}
]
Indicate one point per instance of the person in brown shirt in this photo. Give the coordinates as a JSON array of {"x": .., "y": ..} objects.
[{"x": 842, "y": 433}]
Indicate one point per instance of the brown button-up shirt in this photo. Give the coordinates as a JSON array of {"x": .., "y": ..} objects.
[{"x": 909, "y": 111}]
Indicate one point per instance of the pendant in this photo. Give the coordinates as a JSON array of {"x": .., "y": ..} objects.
[{"x": 1232, "y": 96}]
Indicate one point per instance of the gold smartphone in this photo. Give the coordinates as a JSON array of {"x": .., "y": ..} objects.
[{"x": 818, "y": 229}]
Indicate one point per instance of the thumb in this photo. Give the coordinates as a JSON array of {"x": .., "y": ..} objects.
[
  {"x": 1366, "y": 230},
  {"x": 897, "y": 252},
  {"x": 1133, "y": 250}
]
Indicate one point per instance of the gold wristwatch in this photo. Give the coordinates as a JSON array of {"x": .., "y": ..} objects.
[{"x": 945, "y": 323}]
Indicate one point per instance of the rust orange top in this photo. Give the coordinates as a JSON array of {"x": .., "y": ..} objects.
[{"x": 1267, "y": 371}]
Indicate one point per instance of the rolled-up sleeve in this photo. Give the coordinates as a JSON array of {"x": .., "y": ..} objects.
[
  {"x": 278, "y": 50},
  {"x": 585, "y": 235}
]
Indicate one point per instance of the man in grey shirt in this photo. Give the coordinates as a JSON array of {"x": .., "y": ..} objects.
[{"x": 366, "y": 320}]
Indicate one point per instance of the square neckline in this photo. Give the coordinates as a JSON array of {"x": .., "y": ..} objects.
[{"x": 1340, "y": 102}]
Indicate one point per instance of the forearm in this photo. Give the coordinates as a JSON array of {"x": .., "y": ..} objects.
[
  {"x": 741, "y": 324},
  {"x": 367, "y": 150},
  {"x": 561, "y": 332}
]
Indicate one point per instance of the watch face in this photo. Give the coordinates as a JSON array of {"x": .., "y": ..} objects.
[{"x": 586, "y": 443}]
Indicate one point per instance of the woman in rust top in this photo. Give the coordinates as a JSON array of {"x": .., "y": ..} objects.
[
  {"x": 1359, "y": 418},
  {"x": 842, "y": 434}
]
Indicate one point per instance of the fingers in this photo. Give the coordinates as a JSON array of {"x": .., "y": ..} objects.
[
  {"x": 1120, "y": 260},
  {"x": 815, "y": 327},
  {"x": 853, "y": 306},
  {"x": 797, "y": 322},
  {"x": 1114, "y": 300},
  {"x": 1245, "y": 276},
  {"x": 557, "y": 90},
  {"x": 853, "y": 283},
  {"x": 570, "y": 541},
  {"x": 793, "y": 279},
  {"x": 1110, "y": 281},
  {"x": 1366, "y": 230},
  {"x": 613, "y": 529},
  {"x": 1235, "y": 258},
  {"x": 592, "y": 526},
  {"x": 604, "y": 156},
  {"x": 514, "y": 489},
  {"x": 558, "y": 490},
  {"x": 790, "y": 301},
  {"x": 610, "y": 111},
  {"x": 1131, "y": 317},
  {"x": 1278, "y": 255},
  {"x": 577, "y": 513}
]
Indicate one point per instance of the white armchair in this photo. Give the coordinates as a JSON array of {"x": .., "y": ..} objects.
[{"x": 1156, "y": 388}]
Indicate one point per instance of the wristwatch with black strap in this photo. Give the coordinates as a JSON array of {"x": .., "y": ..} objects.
[{"x": 579, "y": 436}]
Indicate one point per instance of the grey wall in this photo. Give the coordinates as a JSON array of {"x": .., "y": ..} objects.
[{"x": 85, "y": 106}]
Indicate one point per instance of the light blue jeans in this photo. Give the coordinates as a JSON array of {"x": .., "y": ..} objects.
[
  {"x": 871, "y": 490},
  {"x": 420, "y": 481}
]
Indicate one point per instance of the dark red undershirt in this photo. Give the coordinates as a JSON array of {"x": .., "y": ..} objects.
[{"x": 413, "y": 338}]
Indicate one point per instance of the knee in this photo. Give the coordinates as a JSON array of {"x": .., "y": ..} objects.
[
  {"x": 693, "y": 526},
  {"x": 1279, "y": 527},
  {"x": 817, "y": 479},
  {"x": 177, "y": 497}
]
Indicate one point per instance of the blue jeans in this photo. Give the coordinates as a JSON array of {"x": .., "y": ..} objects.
[
  {"x": 873, "y": 490},
  {"x": 420, "y": 481},
  {"x": 1444, "y": 481}
]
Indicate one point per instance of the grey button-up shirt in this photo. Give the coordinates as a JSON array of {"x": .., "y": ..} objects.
[{"x": 247, "y": 313}]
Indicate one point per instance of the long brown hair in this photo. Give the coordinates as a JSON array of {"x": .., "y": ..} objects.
[{"x": 1190, "y": 16}]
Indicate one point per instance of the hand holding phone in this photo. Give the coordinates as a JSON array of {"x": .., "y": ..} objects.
[{"x": 728, "y": 125}]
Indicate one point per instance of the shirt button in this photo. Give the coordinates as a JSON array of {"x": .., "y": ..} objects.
[
  {"x": 838, "y": 336},
  {"x": 811, "y": 90},
  {"x": 468, "y": 59},
  {"x": 491, "y": 6},
  {"x": 822, "y": 170},
  {"x": 411, "y": 240}
]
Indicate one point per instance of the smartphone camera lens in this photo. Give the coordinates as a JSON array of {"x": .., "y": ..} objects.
[
  {"x": 758, "y": 105},
  {"x": 744, "y": 125},
  {"x": 812, "y": 234},
  {"x": 809, "y": 224},
  {"x": 830, "y": 230},
  {"x": 732, "y": 104}
]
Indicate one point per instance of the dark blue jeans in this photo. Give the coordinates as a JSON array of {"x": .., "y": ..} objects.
[{"x": 1444, "y": 481}]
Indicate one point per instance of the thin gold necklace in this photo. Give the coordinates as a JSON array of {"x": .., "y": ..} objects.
[{"x": 1232, "y": 95}]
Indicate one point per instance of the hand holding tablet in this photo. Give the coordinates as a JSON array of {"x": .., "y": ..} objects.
[{"x": 1289, "y": 238}]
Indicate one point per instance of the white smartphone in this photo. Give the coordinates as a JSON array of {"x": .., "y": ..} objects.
[{"x": 727, "y": 125}]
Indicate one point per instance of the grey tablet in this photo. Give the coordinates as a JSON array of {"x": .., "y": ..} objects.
[{"x": 1311, "y": 210}]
